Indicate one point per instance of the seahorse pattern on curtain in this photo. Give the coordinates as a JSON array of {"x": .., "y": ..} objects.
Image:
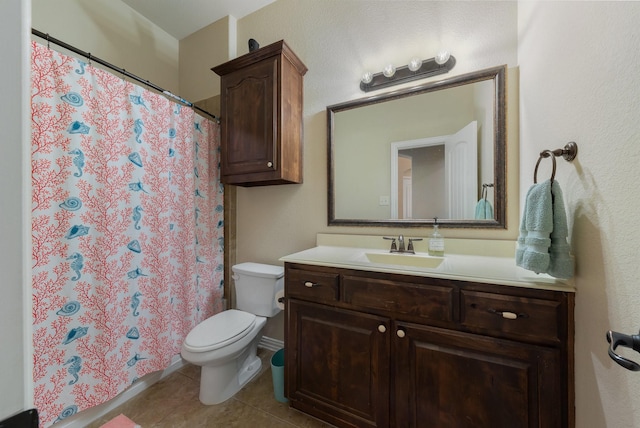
[{"x": 127, "y": 231}]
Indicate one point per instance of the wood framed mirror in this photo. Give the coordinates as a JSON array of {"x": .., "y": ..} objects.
[{"x": 402, "y": 158}]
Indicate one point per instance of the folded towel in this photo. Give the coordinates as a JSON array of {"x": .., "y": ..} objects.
[
  {"x": 560, "y": 260},
  {"x": 535, "y": 229},
  {"x": 484, "y": 210},
  {"x": 542, "y": 244}
]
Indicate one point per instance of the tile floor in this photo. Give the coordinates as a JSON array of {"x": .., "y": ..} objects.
[{"x": 173, "y": 403}]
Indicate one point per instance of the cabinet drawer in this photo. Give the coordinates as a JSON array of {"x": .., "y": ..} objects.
[
  {"x": 419, "y": 300},
  {"x": 310, "y": 285},
  {"x": 522, "y": 316}
]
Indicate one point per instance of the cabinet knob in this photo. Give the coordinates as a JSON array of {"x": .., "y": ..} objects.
[
  {"x": 309, "y": 284},
  {"x": 382, "y": 328},
  {"x": 269, "y": 164},
  {"x": 400, "y": 333}
]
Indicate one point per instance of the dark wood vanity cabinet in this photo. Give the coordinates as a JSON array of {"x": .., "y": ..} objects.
[
  {"x": 341, "y": 364},
  {"x": 367, "y": 349},
  {"x": 261, "y": 117}
]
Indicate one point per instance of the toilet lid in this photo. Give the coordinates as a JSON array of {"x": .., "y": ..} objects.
[{"x": 219, "y": 330}]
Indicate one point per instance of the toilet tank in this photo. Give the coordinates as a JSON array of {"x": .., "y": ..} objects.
[{"x": 256, "y": 287}]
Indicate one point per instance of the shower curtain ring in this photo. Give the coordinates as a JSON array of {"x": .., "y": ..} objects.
[{"x": 48, "y": 42}]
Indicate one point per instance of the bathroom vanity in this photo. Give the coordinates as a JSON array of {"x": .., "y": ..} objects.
[{"x": 382, "y": 345}]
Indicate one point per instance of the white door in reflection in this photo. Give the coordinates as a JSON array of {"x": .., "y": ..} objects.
[
  {"x": 407, "y": 198},
  {"x": 442, "y": 172}
]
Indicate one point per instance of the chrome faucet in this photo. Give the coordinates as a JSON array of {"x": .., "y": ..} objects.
[
  {"x": 400, "y": 247},
  {"x": 394, "y": 248},
  {"x": 410, "y": 246}
]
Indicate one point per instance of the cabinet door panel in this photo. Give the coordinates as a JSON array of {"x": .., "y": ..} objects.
[
  {"x": 451, "y": 379},
  {"x": 429, "y": 302},
  {"x": 339, "y": 367},
  {"x": 319, "y": 287},
  {"x": 248, "y": 125},
  {"x": 536, "y": 319}
]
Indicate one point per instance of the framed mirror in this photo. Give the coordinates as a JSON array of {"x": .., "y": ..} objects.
[{"x": 402, "y": 158}]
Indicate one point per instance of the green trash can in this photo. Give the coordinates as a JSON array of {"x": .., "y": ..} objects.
[{"x": 277, "y": 372}]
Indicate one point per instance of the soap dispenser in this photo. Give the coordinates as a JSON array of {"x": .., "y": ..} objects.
[{"x": 436, "y": 241}]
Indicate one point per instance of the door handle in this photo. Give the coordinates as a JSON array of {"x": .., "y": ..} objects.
[{"x": 616, "y": 339}]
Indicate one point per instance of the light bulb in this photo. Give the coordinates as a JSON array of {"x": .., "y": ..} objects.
[
  {"x": 415, "y": 64},
  {"x": 389, "y": 70},
  {"x": 367, "y": 77},
  {"x": 442, "y": 57}
]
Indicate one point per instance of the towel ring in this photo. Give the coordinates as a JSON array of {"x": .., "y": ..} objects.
[
  {"x": 545, "y": 154},
  {"x": 485, "y": 190},
  {"x": 568, "y": 153}
]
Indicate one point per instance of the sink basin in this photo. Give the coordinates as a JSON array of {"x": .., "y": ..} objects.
[{"x": 414, "y": 260}]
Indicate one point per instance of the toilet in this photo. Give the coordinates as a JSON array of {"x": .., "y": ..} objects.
[{"x": 225, "y": 345}]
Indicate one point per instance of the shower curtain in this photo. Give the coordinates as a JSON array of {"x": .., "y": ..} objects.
[{"x": 126, "y": 228}]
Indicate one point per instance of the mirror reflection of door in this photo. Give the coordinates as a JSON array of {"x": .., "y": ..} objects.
[
  {"x": 442, "y": 175},
  {"x": 405, "y": 186},
  {"x": 421, "y": 182}
]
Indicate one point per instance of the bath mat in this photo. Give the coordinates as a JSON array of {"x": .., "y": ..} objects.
[{"x": 120, "y": 421}]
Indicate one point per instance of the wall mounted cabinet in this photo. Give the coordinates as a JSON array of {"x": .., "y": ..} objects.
[
  {"x": 261, "y": 100},
  {"x": 368, "y": 349}
]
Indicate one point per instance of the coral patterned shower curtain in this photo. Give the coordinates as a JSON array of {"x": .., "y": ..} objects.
[{"x": 127, "y": 231}]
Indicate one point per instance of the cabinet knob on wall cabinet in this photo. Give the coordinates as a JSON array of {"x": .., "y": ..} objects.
[
  {"x": 400, "y": 333},
  {"x": 269, "y": 164},
  {"x": 382, "y": 328}
]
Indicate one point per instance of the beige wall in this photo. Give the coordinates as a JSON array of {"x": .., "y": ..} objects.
[
  {"x": 486, "y": 130},
  {"x": 114, "y": 32},
  {"x": 579, "y": 65},
  {"x": 200, "y": 52}
]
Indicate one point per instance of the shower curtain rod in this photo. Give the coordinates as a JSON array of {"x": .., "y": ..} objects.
[{"x": 90, "y": 57}]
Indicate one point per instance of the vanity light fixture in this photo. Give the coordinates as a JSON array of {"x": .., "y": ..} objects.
[
  {"x": 442, "y": 57},
  {"x": 414, "y": 64},
  {"x": 367, "y": 77},
  {"x": 389, "y": 71},
  {"x": 416, "y": 69}
]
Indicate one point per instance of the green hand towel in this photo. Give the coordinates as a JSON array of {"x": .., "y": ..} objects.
[
  {"x": 484, "y": 210},
  {"x": 560, "y": 260},
  {"x": 542, "y": 244},
  {"x": 535, "y": 229}
]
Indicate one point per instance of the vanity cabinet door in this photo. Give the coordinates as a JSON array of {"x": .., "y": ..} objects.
[
  {"x": 445, "y": 378},
  {"x": 338, "y": 364}
]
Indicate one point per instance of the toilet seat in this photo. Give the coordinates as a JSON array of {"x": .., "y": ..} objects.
[{"x": 219, "y": 330}]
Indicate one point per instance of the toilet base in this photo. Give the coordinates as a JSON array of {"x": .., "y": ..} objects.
[
  {"x": 249, "y": 371},
  {"x": 219, "y": 383}
]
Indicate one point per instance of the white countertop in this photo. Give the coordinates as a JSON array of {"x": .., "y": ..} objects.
[{"x": 493, "y": 268}]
